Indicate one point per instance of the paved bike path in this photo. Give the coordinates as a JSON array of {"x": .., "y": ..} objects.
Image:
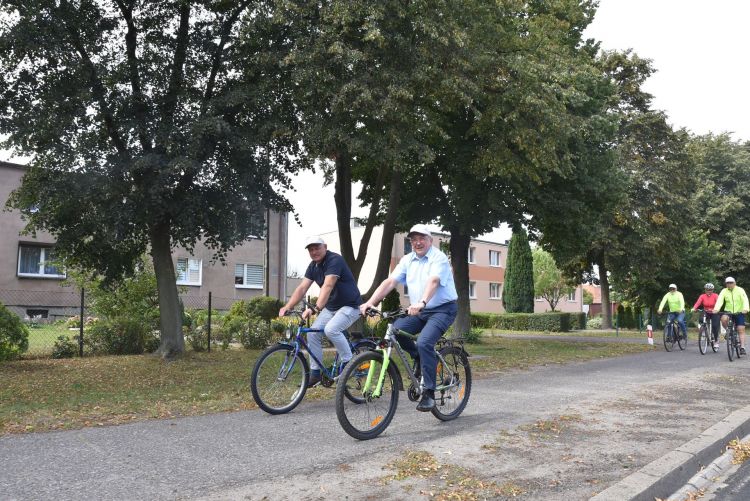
[{"x": 306, "y": 455}]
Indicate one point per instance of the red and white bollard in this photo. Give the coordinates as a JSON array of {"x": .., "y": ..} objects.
[{"x": 650, "y": 331}]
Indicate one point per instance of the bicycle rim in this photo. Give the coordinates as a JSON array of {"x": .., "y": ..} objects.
[
  {"x": 362, "y": 415},
  {"x": 279, "y": 380},
  {"x": 668, "y": 338},
  {"x": 455, "y": 376},
  {"x": 681, "y": 342},
  {"x": 703, "y": 340}
]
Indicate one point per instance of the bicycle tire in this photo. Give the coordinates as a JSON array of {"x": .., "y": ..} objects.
[
  {"x": 360, "y": 347},
  {"x": 737, "y": 344},
  {"x": 668, "y": 338},
  {"x": 730, "y": 345},
  {"x": 274, "y": 394},
  {"x": 703, "y": 339},
  {"x": 451, "y": 402},
  {"x": 681, "y": 340},
  {"x": 367, "y": 417}
]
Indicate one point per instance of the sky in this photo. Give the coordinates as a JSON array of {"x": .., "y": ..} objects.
[{"x": 698, "y": 48}]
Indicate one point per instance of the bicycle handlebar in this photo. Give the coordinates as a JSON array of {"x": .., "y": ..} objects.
[{"x": 385, "y": 315}]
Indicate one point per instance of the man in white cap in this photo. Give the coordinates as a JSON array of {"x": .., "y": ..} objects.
[
  {"x": 337, "y": 304},
  {"x": 676, "y": 307},
  {"x": 429, "y": 279},
  {"x": 734, "y": 301}
]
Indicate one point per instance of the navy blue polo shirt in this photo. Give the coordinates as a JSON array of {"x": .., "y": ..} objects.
[{"x": 345, "y": 292}]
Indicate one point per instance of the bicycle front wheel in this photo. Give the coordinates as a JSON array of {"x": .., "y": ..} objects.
[
  {"x": 279, "y": 379},
  {"x": 668, "y": 338},
  {"x": 703, "y": 339},
  {"x": 362, "y": 413},
  {"x": 737, "y": 345},
  {"x": 730, "y": 345},
  {"x": 453, "y": 384}
]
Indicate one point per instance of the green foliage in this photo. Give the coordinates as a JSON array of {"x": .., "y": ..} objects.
[
  {"x": 518, "y": 290},
  {"x": 550, "y": 322},
  {"x": 473, "y": 336},
  {"x": 579, "y": 320},
  {"x": 64, "y": 348},
  {"x": 119, "y": 336},
  {"x": 255, "y": 334},
  {"x": 264, "y": 307},
  {"x": 594, "y": 322},
  {"x": 549, "y": 282},
  {"x": 14, "y": 336},
  {"x": 588, "y": 297},
  {"x": 392, "y": 301},
  {"x": 249, "y": 322}
]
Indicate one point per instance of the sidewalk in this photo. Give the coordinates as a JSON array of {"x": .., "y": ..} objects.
[{"x": 554, "y": 432}]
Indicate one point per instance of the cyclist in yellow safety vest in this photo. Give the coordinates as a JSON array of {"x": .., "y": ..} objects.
[
  {"x": 676, "y": 304},
  {"x": 734, "y": 300}
]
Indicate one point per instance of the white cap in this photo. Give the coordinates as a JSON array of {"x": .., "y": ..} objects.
[
  {"x": 421, "y": 229},
  {"x": 313, "y": 240},
  {"x": 728, "y": 280},
  {"x": 672, "y": 286}
]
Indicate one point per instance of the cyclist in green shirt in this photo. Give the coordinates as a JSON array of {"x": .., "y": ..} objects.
[
  {"x": 676, "y": 304},
  {"x": 734, "y": 300}
]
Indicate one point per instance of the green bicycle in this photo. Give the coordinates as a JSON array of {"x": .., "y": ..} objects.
[{"x": 368, "y": 389}]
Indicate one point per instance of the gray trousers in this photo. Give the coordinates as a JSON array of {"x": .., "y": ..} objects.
[{"x": 333, "y": 324}]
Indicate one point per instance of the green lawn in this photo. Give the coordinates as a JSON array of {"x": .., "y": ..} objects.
[
  {"x": 42, "y": 338},
  {"x": 45, "y": 394},
  {"x": 579, "y": 333}
]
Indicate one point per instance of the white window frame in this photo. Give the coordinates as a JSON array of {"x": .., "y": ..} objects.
[
  {"x": 187, "y": 281},
  {"x": 499, "y": 291},
  {"x": 244, "y": 276},
  {"x": 472, "y": 255},
  {"x": 499, "y": 256},
  {"x": 472, "y": 290},
  {"x": 573, "y": 299},
  {"x": 42, "y": 260}
]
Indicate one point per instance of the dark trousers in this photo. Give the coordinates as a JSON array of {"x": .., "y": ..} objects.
[
  {"x": 430, "y": 324},
  {"x": 714, "y": 319}
]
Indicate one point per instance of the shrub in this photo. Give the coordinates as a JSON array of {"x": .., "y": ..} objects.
[
  {"x": 594, "y": 323},
  {"x": 120, "y": 336},
  {"x": 392, "y": 301},
  {"x": 196, "y": 336},
  {"x": 552, "y": 321},
  {"x": 579, "y": 320},
  {"x": 473, "y": 336},
  {"x": 14, "y": 335},
  {"x": 64, "y": 348},
  {"x": 255, "y": 334}
]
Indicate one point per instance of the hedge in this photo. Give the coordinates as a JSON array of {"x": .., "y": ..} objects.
[{"x": 552, "y": 322}]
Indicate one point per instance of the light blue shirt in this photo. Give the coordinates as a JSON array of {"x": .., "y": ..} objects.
[{"x": 415, "y": 271}]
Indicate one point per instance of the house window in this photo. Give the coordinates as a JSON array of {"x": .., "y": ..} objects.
[
  {"x": 36, "y": 261},
  {"x": 472, "y": 255},
  {"x": 472, "y": 290},
  {"x": 495, "y": 290},
  {"x": 248, "y": 276},
  {"x": 407, "y": 246},
  {"x": 572, "y": 295},
  {"x": 189, "y": 271},
  {"x": 495, "y": 258}
]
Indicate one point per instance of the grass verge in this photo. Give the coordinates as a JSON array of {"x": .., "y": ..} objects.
[{"x": 44, "y": 395}]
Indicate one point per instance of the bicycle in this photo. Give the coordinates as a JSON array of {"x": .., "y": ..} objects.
[
  {"x": 672, "y": 335},
  {"x": 705, "y": 335},
  {"x": 732, "y": 337},
  {"x": 375, "y": 380},
  {"x": 281, "y": 374}
]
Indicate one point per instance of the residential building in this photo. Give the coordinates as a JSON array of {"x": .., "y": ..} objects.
[
  {"x": 31, "y": 284},
  {"x": 487, "y": 261}
]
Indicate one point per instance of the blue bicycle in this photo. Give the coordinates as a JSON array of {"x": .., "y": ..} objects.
[{"x": 281, "y": 374}]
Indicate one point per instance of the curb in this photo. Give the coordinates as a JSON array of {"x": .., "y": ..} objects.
[
  {"x": 667, "y": 474},
  {"x": 704, "y": 479}
]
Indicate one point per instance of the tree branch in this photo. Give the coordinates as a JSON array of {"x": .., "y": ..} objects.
[{"x": 176, "y": 76}]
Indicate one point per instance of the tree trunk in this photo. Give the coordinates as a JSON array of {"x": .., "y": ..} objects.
[
  {"x": 372, "y": 217},
  {"x": 172, "y": 340},
  {"x": 459, "y": 246},
  {"x": 342, "y": 195},
  {"x": 604, "y": 285},
  {"x": 389, "y": 231}
]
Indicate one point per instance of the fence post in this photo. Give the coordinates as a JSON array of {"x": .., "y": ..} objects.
[
  {"x": 209, "y": 321},
  {"x": 80, "y": 327}
]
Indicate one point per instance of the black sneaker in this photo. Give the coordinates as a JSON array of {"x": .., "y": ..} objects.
[
  {"x": 742, "y": 351},
  {"x": 314, "y": 379},
  {"x": 428, "y": 401}
]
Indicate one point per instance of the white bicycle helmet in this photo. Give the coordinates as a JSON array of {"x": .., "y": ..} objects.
[{"x": 709, "y": 286}]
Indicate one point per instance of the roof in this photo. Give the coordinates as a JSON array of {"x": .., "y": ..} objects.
[{"x": 12, "y": 165}]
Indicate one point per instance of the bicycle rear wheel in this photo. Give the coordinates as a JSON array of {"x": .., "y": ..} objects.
[
  {"x": 681, "y": 340},
  {"x": 703, "y": 339},
  {"x": 668, "y": 337},
  {"x": 361, "y": 414},
  {"x": 737, "y": 345},
  {"x": 279, "y": 379},
  {"x": 453, "y": 384}
]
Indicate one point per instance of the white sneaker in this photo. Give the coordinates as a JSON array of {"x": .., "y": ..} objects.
[{"x": 716, "y": 346}]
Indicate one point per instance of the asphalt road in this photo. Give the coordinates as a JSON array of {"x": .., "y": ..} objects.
[
  {"x": 251, "y": 454},
  {"x": 736, "y": 487}
]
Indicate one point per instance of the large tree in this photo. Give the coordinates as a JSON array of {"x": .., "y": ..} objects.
[
  {"x": 549, "y": 282},
  {"x": 518, "y": 289},
  {"x": 151, "y": 124}
]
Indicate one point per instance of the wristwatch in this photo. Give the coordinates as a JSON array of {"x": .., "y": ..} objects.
[{"x": 424, "y": 303}]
